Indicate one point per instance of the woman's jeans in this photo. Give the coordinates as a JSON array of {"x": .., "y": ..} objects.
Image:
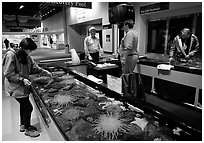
[{"x": 26, "y": 109}]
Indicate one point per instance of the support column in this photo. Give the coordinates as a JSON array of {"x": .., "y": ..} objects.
[
  {"x": 115, "y": 38},
  {"x": 66, "y": 42}
]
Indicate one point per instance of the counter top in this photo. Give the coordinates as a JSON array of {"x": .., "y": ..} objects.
[{"x": 194, "y": 67}]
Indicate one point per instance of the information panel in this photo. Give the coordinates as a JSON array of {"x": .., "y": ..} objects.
[
  {"x": 114, "y": 83},
  {"x": 71, "y": 4},
  {"x": 154, "y": 7}
]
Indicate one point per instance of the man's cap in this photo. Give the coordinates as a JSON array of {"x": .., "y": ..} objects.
[{"x": 92, "y": 28}]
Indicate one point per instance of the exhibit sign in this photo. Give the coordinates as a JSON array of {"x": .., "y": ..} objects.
[
  {"x": 114, "y": 83},
  {"x": 154, "y": 7},
  {"x": 71, "y": 4}
]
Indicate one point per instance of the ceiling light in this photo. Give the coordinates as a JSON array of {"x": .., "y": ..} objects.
[{"x": 22, "y": 6}]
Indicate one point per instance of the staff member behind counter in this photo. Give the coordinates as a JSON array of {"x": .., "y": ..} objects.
[
  {"x": 184, "y": 46},
  {"x": 92, "y": 46}
]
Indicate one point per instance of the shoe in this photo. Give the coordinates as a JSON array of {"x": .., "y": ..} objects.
[
  {"x": 33, "y": 128},
  {"x": 22, "y": 128},
  {"x": 32, "y": 133}
]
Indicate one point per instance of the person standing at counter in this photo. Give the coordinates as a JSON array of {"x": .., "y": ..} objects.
[
  {"x": 184, "y": 46},
  {"x": 128, "y": 48},
  {"x": 17, "y": 66},
  {"x": 92, "y": 46},
  {"x": 6, "y": 42}
]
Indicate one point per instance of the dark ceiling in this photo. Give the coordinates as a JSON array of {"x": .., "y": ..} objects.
[
  {"x": 34, "y": 9},
  {"x": 13, "y": 8},
  {"x": 28, "y": 16}
]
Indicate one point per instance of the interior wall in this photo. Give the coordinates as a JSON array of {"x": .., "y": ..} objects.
[
  {"x": 77, "y": 16},
  {"x": 77, "y": 34},
  {"x": 140, "y": 27},
  {"x": 54, "y": 23}
]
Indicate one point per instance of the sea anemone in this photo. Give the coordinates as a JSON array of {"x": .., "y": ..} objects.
[
  {"x": 110, "y": 125},
  {"x": 63, "y": 100},
  {"x": 72, "y": 114},
  {"x": 115, "y": 109}
]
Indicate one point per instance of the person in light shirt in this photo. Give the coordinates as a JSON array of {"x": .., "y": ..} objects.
[
  {"x": 128, "y": 49},
  {"x": 92, "y": 46}
]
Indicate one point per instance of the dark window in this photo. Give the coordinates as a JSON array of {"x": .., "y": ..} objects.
[
  {"x": 177, "y": 24},
  {"x": 156, "y": 36},
  {"x": 162, "y": 32},
  {"x": 199, "y": 34}
]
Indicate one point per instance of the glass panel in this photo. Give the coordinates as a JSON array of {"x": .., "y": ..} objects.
[
  {"x": 158, "y": 30},
  {"x": 177, "y": 24},
  {"x": 156, "y": 36}
]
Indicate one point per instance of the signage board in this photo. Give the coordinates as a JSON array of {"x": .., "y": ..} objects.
[
  {"x": 71, "y": 4},
  {"x": 107, "y": 40},
  {"x": 154, "y": 7}
]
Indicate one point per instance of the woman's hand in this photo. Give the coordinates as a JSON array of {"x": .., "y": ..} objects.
[
  {"x": 26, "y": 82},
  {"x": 47, "y": 72}
]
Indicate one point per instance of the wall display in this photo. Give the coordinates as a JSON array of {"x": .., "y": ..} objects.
[{"x": 107, "y": 40}]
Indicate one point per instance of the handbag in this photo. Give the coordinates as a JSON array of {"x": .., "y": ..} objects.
[{"x": 132, "y": 86}]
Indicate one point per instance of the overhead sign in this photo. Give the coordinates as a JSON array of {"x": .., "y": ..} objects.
[
  {"x": 154, "y": 7},
  {"x": 71, "y": 4}
]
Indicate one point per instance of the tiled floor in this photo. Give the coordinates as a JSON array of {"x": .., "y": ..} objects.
[{"x": 10, "y": 122}]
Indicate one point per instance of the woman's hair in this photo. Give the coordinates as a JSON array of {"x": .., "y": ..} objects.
[
  {"x": 130, "y": 23},
  {"x": 27, "y": 44},
  {"x": 22, "y": 56}
]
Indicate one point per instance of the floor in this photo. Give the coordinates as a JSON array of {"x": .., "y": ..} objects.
[{"x": 10, "y": 122}]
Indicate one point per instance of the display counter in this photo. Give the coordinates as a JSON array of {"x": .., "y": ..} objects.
[
  {"x": 181, "y": 84},
  {"x": 78, "y": 109},
  {"x": 100, "y": 69}
]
